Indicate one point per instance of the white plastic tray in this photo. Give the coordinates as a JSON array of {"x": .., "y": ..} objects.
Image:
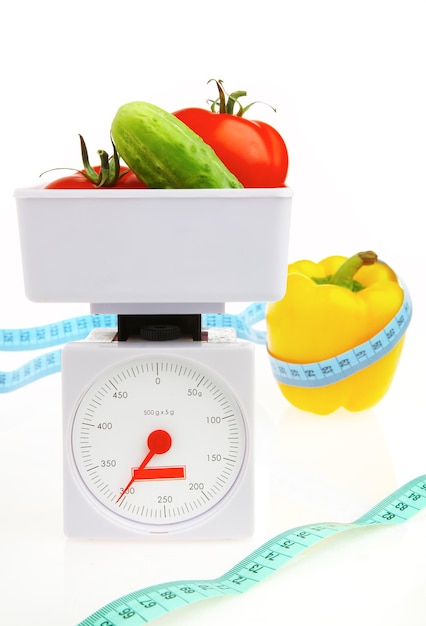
[{"x": 154, "y": 246}]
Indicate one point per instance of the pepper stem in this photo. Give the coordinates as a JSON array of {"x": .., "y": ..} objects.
[{"x": 344, "y": 276}]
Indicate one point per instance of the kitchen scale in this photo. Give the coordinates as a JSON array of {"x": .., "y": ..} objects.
[{"x": 158, "y": 416}]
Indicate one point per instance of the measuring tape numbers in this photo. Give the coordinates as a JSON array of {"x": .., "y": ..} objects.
[
  {"x": 302, "y": 375},
  {"x": 328, "y": 371},
  {"x": 337, "y": 368},
  {"x": 147, "y": 604},
  {"x": 41, "y": 337}
]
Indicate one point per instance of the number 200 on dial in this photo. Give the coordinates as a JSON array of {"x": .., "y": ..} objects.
[{"x": 159, "y": 440}]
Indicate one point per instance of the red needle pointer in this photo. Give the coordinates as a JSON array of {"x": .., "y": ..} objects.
[{"x": 159, "y": 442}]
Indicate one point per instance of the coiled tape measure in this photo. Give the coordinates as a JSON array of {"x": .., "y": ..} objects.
[
  {"x": 302, "y": 375},
  {"x": 149, "y": 603}
]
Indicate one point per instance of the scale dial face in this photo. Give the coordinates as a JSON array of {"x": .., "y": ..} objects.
[{"x": 159, "y": 440}]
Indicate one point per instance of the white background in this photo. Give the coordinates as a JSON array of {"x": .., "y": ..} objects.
[{"x": 347, "y": 79}]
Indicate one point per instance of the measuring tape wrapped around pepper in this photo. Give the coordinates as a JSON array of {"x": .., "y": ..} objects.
[{"x": 331, "y": 309}]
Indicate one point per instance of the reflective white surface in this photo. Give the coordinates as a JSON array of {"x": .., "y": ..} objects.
[
  {"x": 308, "y": 469},
  {"x": 348, "y": 84}
]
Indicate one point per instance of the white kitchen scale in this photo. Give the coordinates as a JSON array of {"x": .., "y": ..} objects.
[{"x": 158, "y": 412}]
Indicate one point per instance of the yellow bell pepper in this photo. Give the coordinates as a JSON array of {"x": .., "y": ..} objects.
[{"x": 331, "y": 307}]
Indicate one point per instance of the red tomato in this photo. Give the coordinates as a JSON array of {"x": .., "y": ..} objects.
[
  {"x": 80, "y": 181},
  {"x": 253, "y": 151}
]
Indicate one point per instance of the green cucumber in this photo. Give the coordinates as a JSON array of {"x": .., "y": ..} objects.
[{"x": 164, "y": 153}]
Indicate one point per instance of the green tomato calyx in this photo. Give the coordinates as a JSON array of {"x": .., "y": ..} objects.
[
  {"x": 109, "y": 172},
  {"x": 107, "y": 175},
  {"x": 225, "y": 103}
]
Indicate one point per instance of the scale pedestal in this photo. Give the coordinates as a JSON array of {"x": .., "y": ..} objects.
[{"x": 158, "y": 415}]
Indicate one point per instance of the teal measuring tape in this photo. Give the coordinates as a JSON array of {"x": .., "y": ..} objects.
[
  {"x": 296, "y": 374},
  {"x": 147, "y": 604}
]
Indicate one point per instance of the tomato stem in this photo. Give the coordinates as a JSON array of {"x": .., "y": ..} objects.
[
  {"x": 109, "y": 172},
  {"x": 221, "y": 100},
  {"x": 227, "y": 102},
  {"x": 57, "y": 169},
  {"x": 89, "y": 172}
]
